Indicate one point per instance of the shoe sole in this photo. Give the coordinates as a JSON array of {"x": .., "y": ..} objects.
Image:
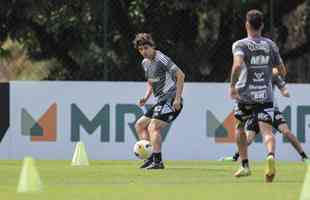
[
  {"x": 144, "y": 167},
  {"x": 157, "y": 168},
  {"x": 271, "y": 170}
]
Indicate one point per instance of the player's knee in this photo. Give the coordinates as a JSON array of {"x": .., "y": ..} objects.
[
  {"x": 241, "y": 137},
  {"x": 139, "y": 126},
  {"x": 153, "y": 127},
  {"x": 269, "y": 137},
  {"x": 240, "y": 141},
  {"x": 238, "y": 138},
  {"x": 286, "y": 132}
]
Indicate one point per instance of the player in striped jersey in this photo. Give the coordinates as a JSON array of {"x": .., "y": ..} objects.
[{"x": 165, "y": 81}]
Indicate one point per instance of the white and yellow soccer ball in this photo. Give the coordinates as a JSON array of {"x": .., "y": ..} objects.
[{"x": 143, "y": 149}]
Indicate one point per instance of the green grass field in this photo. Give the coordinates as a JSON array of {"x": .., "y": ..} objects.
[{"x": 180, "y": 180}]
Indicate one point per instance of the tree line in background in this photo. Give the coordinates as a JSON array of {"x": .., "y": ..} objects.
[{"x": 92, "y": 39}]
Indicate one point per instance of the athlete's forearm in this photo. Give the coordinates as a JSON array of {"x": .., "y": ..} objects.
[
  {"x": 148, "y": 92},
  {"x": 282, "y": 70},
  {"x": 180, "y": 76},
  {"x": 285, "y": 92},
  {"x": 235, "y": 75}
]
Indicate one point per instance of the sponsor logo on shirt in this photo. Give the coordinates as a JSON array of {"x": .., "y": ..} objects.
[{"x": 259, "y": 77}]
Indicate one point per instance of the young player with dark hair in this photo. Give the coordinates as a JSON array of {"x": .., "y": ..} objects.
[{"x": 165, "y": 81}]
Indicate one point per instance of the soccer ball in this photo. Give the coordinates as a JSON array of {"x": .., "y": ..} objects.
[{"x": 143, "y": 149}]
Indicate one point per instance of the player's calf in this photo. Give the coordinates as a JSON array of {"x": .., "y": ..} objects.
[{"x": 154, "y": 130}]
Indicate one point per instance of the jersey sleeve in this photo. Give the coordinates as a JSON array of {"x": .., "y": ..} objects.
[
  {"x": 237, "y": 49},
  {"x": 143, "y": 63},
  {"x": 279, "y": 82},
  {"x": 169, "y": 65},
  {"x": 276, "y": 57}
]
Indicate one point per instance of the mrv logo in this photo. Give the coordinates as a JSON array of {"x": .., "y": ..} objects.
[
  {"x": 45, "y": 129},
  {"x": 224, "y": 132}
]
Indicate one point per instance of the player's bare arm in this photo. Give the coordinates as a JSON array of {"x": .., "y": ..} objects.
[
  {"x": 147, "y": 95},
  {"x": 235, "y": 73},
  {"x": 281, "y": 69},
  {"x": 180, "y": 76},
  {"x": 279, "y": 65},
  {"x": 285, "y": 92}
]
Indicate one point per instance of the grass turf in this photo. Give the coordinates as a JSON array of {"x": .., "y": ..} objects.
[{"x": 180, "y": 180}]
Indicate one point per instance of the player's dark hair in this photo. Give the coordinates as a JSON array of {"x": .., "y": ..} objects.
[
  {"x": 255, "y": 19},
  {"x": 143, "y": 39}
]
